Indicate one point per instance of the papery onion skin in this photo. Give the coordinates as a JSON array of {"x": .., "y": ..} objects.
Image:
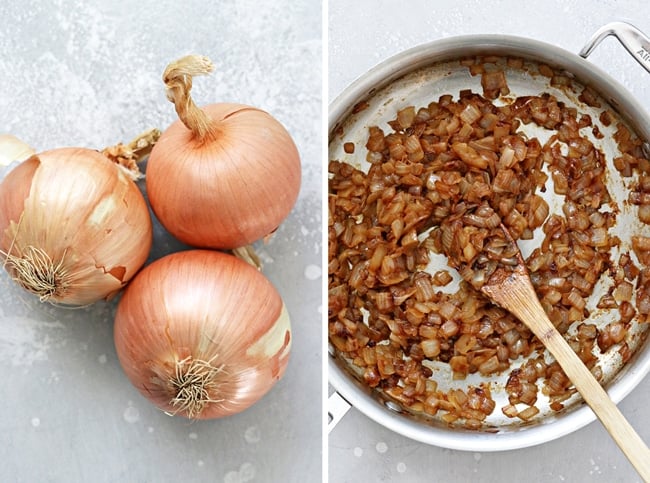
[
  {"x": 13, "y": 149},
  {"x": 230, "y": 189},
  {"x": 77, "y": 207},
  {"x": 208, "y": 306}
]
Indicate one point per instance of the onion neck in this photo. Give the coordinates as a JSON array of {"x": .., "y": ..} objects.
[
  {"x": 127, "y": 156},
  {"x": 178, "y": 79},
  {"x": 248, "y": 254}
]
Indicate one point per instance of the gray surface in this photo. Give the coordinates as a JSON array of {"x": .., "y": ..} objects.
[
  {"x": 362, "y": 34},
  {"x": 89, "y": 74}
]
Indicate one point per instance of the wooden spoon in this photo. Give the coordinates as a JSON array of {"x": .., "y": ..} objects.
[{"x": 511, "y": 288}]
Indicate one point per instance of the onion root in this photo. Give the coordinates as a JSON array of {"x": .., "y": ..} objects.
[
  {"x": 37, "y": 273},
  {"x": 193, "y": 384}
]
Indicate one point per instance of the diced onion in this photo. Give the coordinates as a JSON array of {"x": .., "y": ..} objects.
[{"x": 442, "y": 181}]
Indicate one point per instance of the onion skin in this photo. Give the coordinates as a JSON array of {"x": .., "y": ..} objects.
[
  {"x": 81, "y": 210},
  {"x": 13, "y": 149},
  {"x": 206, "y": 306},
  {"x": 229, "y": 189}
]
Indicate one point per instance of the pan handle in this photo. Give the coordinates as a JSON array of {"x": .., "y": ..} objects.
[
  {"x": 635, "y": 41},
  {"x": 337, "y": 407}
]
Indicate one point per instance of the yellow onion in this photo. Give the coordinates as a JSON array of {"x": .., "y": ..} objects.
[
  {"x": 74, "y": 228},
  {"x": 222, "y": 176},
  {"x": 202, "y": 334}
]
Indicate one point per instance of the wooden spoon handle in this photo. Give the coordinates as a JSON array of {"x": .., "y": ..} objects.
[{"x": 521, "y": 300}]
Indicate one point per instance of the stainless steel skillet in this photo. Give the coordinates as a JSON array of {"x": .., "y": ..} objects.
[{"x": 422, "y": 74}]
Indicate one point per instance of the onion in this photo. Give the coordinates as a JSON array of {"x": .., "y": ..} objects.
[
  {"x": 470, "y": 114},
  {"x": 494, "y": 84},
  {"x": 74, "y": 228},
  {"x": 222, "y": 176},
  {"x": 202, "y": 334}
]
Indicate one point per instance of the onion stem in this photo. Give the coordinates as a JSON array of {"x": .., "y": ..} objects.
[
  {"x": 248, "y": 254},
  {"x": 127, "y": 156},
  {"x": 178, "y": 79}
]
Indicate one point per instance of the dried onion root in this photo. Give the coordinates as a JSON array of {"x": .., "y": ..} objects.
[
  {"x": 37, "y": 273},
  {"x": 442, "y": 181},
  {"x": 192, "y": 384}
]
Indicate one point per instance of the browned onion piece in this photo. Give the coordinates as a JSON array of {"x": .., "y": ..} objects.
[{"x": 494, "y": 84}]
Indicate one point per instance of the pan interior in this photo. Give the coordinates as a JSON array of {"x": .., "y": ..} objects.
[{"x": 427, "y": 83}]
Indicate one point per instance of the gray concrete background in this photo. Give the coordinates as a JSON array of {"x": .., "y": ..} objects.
[
  {"x": 88, "y": 73},
  {"x": 365, "y": 32}
]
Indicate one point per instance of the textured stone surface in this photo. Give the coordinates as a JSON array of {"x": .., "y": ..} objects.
[{"x": 79, "y": 73}]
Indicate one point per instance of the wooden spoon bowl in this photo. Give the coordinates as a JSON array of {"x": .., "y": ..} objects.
[{"x": 510, "y": 287}]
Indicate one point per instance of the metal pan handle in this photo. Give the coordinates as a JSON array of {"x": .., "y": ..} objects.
[
  {"x": 635, "y": 41},
  {"x": 337, "y": 406}
]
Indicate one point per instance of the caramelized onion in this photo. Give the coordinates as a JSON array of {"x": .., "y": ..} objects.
[{"x": 444, "y": 179}]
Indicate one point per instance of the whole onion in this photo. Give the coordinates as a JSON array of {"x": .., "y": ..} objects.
[
  {"x": 74, "y": 228},
  {"x": 202, "y": 334},
  {"x": 222, "y": 176}
]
